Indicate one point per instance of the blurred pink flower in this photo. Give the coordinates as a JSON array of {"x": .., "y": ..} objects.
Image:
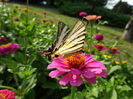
[
  {"x": 114, "y": 50},
  {"x": 7, "y": 94},
  {"x": 92, "y": 17},
  {"x": 45, "y": 12},
  {"x": 41, "y": 52},
  {"x": 83, "y": 14},
  {"x": 8, "y": 48},
  {"x": 3, "y": 40},
  {"x": 100, "y": 46},
  {"x": 74, "y": 67},
  {"x": 98, "y": 37},
  {"x": 15, "y": 19}
]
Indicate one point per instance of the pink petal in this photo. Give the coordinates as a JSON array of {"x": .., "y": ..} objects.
[
  {"x": 117, "y": 51},
  {"x": 96, "y": 64},
  {"x": 104, "y": 48},
  {"x": 88, "y": 74},
  {"x": 76, "y": 80},
  {"x": 64, "y": 80},
  {"x": 91, "y": 80},
  {"x": 75, "y": 71},
  {"x": 96, "y": 70},
  {"x": 89, "y": 58},
  {"x": 103, "y": 74},
  {"x": 55, "y": 73},
  {"x": 59, "y": 64},
  {"x": 99, "y": 17}
]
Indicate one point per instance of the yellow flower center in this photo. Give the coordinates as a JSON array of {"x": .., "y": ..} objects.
[
  {"x": 100, "y": 44},
  {"x": 76, "y": 61},
  {"x": 114, "y": 48},
  {"x": 92, "y": 16},
  {"x": 6, "y": 45},
  {"x": 2, "y": 96}
]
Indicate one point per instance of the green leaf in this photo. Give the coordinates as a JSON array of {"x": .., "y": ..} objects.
[
  {"x": 51, "y": 85},
  {"x": 113, "y": 69},
  {"x": 27, "y": 84},
  {"x": 124, "y": 88},
  {"x": 111, "y": 93},
  {"x": 95, "y": 91},
  {"x": 30, "y": 95},
  {"x": 112, "y": 81},
  {"x": 78, "y": 95}
]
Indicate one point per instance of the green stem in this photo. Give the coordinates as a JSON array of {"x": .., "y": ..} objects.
[
  {"x": 73, "y": 90},
  {"x": 27, "y": 3},
  {"x": 10, "y": 88},
  {"x": 16, "y": 79},
  {"x": 91, "y": 29},
  {"x": 116, "y": 42}
]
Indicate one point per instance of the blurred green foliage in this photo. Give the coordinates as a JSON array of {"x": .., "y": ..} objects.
[
  {"x": 25, "y": 71},
  {"x": 123, "y": 7},
  {"x": 114, "y": 19}
]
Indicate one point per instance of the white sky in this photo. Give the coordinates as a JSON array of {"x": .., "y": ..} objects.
[{"x": 111, "y": 3}]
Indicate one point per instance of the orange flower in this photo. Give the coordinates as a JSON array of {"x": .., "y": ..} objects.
[
  {"x": 44, "y": 20},
  {"x": 92, "y": 17},
  {"x": 35, "y": 13}
]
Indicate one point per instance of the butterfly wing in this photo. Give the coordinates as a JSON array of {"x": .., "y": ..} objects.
[
  {"x": 63, "y": 30},
  {"x": 72, "y": 41}
]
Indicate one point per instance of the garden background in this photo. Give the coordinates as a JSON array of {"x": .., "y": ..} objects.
[{"x": 28, "y": 28}]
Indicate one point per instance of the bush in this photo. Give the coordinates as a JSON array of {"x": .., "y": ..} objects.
[
  {"x": 73, "y": 9},
  {"x": 123, "y": 7},
  {"x": 114, "y": 19}
]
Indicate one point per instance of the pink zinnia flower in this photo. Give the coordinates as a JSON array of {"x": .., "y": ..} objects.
[
  {"x": 15, "y": 19},
  {"x": 114, "y": 50},
  {"x": 74, "y": 67},
  {"x": 100, "y": 46},
  {"x": 83, "y": 14},
  {"x": 41, "y": 52},
  {"x": 8, "y": 48},
  {"x": 3, "y": 40},
  {"x": 7, "y": 94},
  {"x": 98, "y": 37},
  {"x": 45, "y": 12},
  {"x": 92, "y": 17}
]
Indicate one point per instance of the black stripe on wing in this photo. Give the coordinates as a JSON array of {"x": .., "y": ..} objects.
[{"x": 63, "y": 30}]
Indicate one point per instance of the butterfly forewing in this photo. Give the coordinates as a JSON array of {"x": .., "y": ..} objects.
[
  {"x": 62, "y": 32},
  {"x": 73, "y": 41}
]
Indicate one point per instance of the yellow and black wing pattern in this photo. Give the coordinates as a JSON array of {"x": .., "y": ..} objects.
[{"x": 68, "y": 41}]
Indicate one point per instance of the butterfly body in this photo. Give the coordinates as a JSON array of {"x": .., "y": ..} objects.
[{"x": 68, "y": 41}]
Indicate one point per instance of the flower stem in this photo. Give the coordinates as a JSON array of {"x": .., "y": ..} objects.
[
  {"x": 73, "y": 90},
  {"x": 8, "y": 87}
]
